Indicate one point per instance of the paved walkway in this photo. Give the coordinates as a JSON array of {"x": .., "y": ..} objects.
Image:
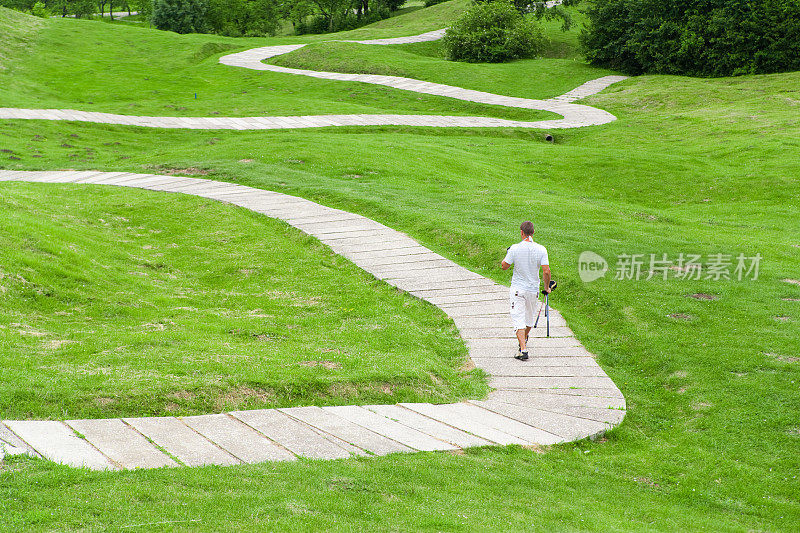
[
  {"x": 574, "y": 115},
  {"x": 561, "y": 394}
]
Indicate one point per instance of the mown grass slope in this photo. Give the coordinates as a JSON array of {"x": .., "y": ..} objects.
[
  {"x": 139, "y": 71},
  {"x": 128, "y": 303},
  {"x": 692, "y": 166}
]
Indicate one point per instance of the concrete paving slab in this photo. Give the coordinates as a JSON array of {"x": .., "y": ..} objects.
[
  {"x": 485, "y": 298},
  {"x": 295, "y": 436},
  {"x": 425, "y": 258},
  {"x": 342, "y": 428},
  {"x": 415, "y": 285},
  {"x": 389, "y": 428},
  {"x": 577, "y": 391},
  {"x": 421, "y": 279},
  {"x": 533, "y": 435},
  {"x": 540, "y": 355},
  {"x": 558, "y": 401},
  {"x": 402, "y": 268},
  {"x": 567, "y": 427},
  {"x": 484, "y": 333},
  {"x": 10, "y": 444},
  {"x": 126, "y": 447},
  {"x": 413, "y": 248},
  {"x": 533, "y": 343},
  {"x": 58, "y": 443},
  {"x": 510, "y": 367},
  {"x": 443, "y": 413},
  {"x": 446, "y": 291},
  {"x": 180, "y": 441},
  {"x": 237, "y": 438},
  {"x": 575, "y": 382},
  {"x": 429, "y": 426},
  {"x": 544, "y": 362}
]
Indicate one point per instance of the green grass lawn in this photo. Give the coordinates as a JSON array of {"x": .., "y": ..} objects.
[
  {"x": 138, "y": 71},
  {"x": 123, "y": 303},
  {"x": 711, "y": 439},
  {"x": 558, "y": 71}
]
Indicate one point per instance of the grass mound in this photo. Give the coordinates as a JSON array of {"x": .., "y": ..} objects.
[
  {"x": 529, "y": 78},
  {"x": 165, "y": 74},
  {"x": 129, "y": 303}
]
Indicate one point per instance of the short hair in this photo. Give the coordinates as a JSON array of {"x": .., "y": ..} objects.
[{"x": 527, "y": 228}]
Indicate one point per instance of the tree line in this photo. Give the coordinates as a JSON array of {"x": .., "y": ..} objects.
[{"x": 225, "y": 17}]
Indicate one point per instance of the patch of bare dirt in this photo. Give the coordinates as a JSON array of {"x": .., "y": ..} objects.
[
  {"x": 182, "y": 395},
  {"x": 646, "y": 481},
  {"x": 792, "y": 281},
  {"x": 783, "y": 318},
  {"x": 175, "y": 171},
  {"x": 680, "y": 316},
  {"x": 783, "y": 358},
  {"x": 240, "y": 395},
  {"x": 703, "y": 296},
  {"x": 327, "y": 365},
  {"x": 57, "y": 344}
]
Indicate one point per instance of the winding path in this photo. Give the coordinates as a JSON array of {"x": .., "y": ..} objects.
[
  {"x": 574, "y": 115},
  {"x": 561, "y": 394}
]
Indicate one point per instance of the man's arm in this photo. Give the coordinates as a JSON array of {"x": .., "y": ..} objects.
[
  {"x": 504, "y": 265},
  {"x": 546, "y": 272}
]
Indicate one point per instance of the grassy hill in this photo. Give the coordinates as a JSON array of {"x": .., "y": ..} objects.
[{"x": 710, "y": 368}]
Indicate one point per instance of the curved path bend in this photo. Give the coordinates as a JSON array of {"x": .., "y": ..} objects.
[
  {"x": 561, "y": 394},
  {"x": 574, "y": 115}
]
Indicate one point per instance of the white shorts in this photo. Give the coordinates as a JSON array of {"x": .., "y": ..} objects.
[{"x": 523, "y": 307}]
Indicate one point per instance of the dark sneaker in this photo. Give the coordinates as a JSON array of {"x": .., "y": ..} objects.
[{"x": 522, "y": 356}]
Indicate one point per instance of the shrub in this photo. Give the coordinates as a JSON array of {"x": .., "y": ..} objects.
[
  {"x": 429, "y": 3},
  {"x": 236, "y": 18},
  {"x": 694, "y": 37},
  {"x": 493, "y": 32},
  {"x": 180, "y": 16},
  {"x": 39, "y": 10}
]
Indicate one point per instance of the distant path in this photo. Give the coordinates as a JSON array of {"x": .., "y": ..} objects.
[
  {"x": 574, "y": 115},
  {"x": 561, "y": 394}
]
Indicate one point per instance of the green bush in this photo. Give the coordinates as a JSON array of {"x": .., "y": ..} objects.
[
  {"x": 235, "y": 18},
  {"x": 347, "y": 19},
  {"x": 429, "y": 3},
  {"x": 694, "y": 37},
  {"x": 39, "y": 10},
  {"x": 180, "y": 16},
  {"x": 493, "y": 32}
]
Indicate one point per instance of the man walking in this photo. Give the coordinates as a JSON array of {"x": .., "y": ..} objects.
[{"x": 527, "y": 257}]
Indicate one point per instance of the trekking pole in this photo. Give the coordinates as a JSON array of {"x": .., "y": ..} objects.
[
  {"x": 537, "y": 316},
  {"x": 547, "y": 311},
  {"x": 552, "y": 286}
]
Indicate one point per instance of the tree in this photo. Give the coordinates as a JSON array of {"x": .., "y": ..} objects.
[
  {"x": 243, "y": 17},
  {"x": 694, "y": 37},
  {"x": 180, "y": 16}
]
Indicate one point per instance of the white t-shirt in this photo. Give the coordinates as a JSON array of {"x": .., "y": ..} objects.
[{"x": 527, "y": 257}]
